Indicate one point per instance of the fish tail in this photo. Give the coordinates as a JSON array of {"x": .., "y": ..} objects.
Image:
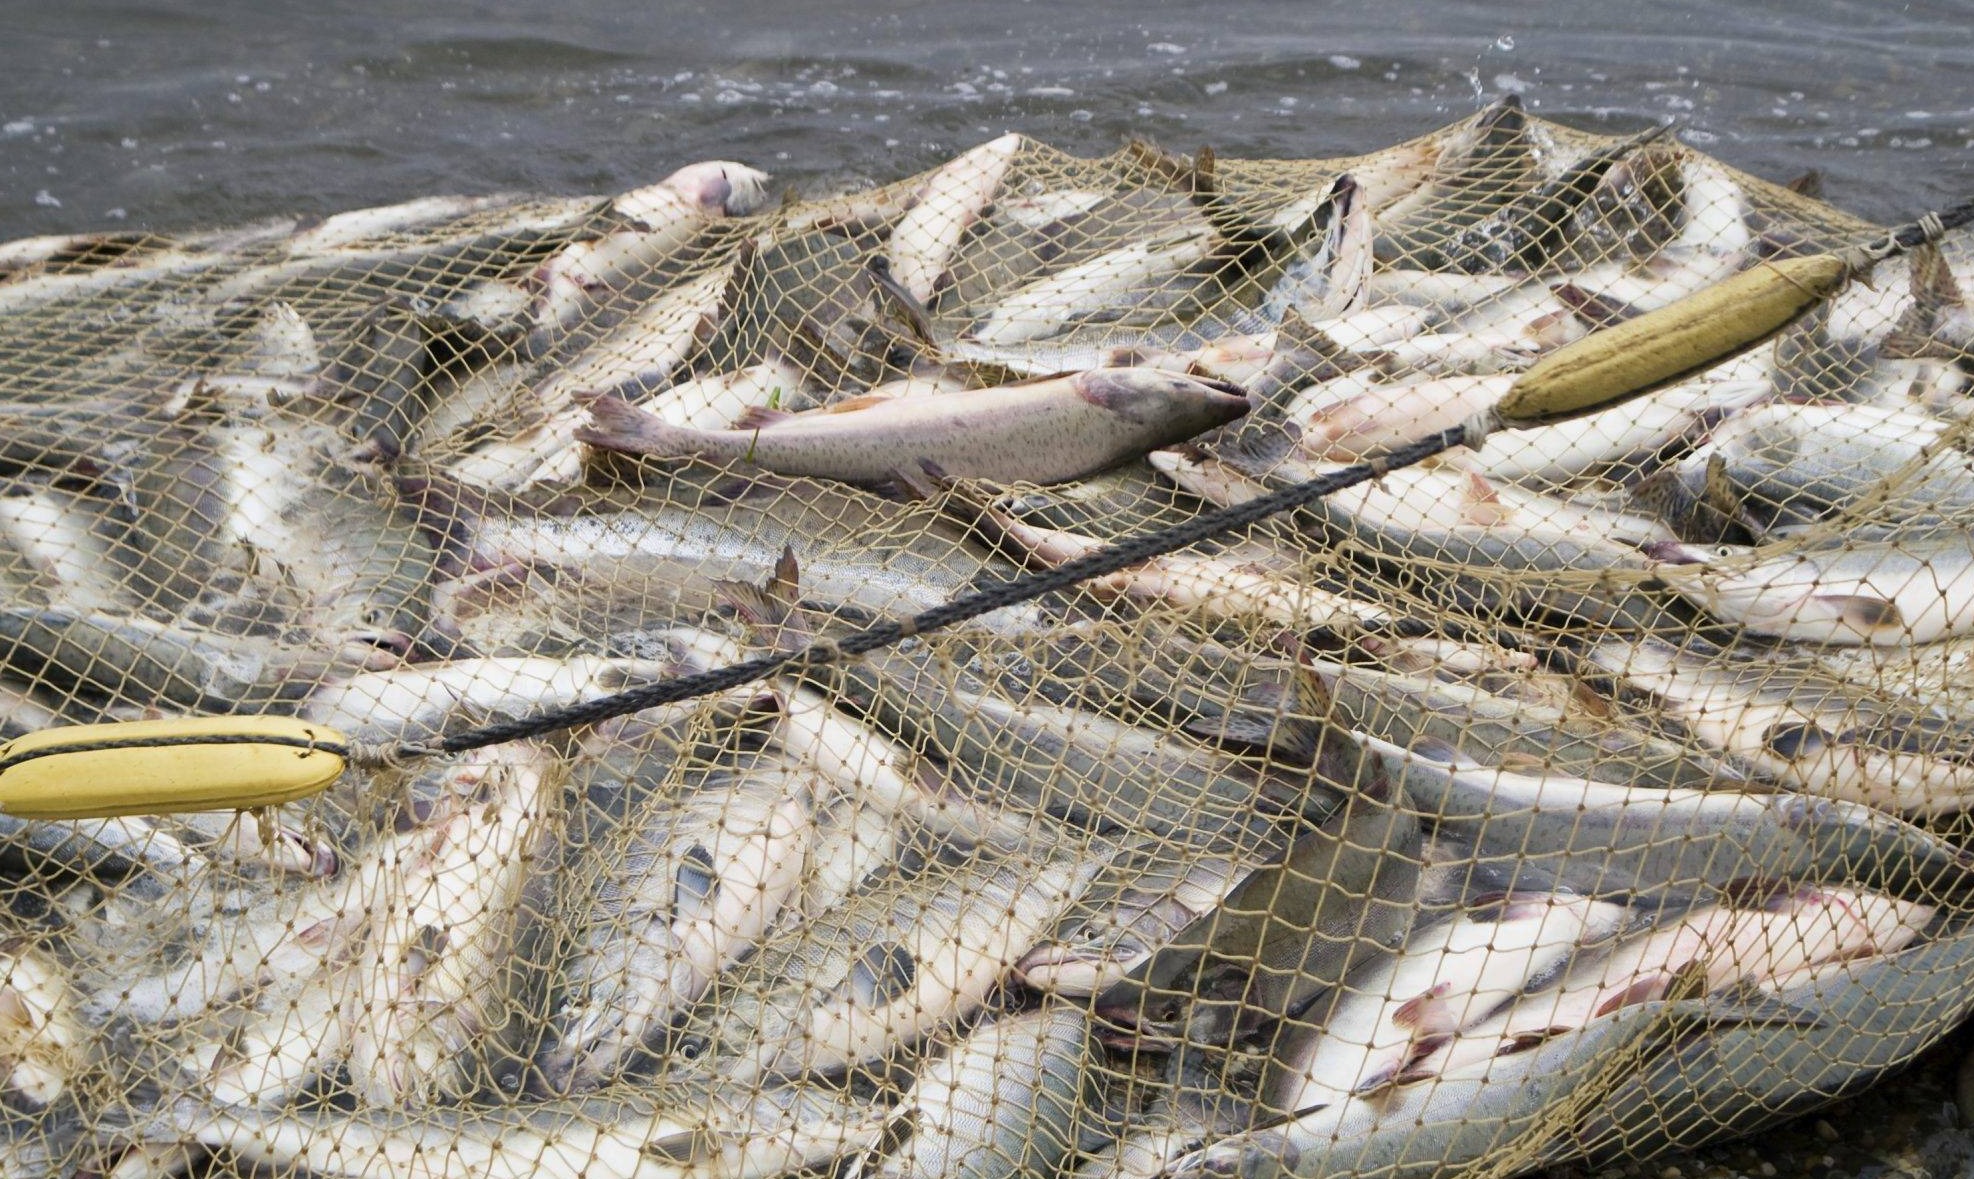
[{"x": 616, "y": 424}]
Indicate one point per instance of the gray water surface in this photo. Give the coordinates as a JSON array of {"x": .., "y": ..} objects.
[{"x": 173, "y": 113}]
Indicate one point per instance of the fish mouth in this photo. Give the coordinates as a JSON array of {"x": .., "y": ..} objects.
[
  {"x": 380, "y": 648},
  {"x": 1673, "y": 552}
]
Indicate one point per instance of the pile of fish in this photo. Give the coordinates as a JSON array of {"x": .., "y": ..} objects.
[{"x": 1584, "y": 794}]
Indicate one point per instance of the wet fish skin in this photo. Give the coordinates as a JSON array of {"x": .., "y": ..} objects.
[
  {"x": 1432, "y": 1130},
  {"x": 427, "y": 986},
  {"x": 1007, "y": 1100},
  {"x": 1043, "y": 431},
  {"x": 1486, "y": 166},
  {"x": 42, "y": 1037},
  {"x": 420, "y": 702},
  {"x": 1804, "y": 727},
  {"x": 135, "y": 661},
  {"x": 1447, "y": 977},
  {"x": 953, "y": 198},
  {"x": 663, "y": 1133},
  {"x": 1872, "y": 1016},
  {"x": 677, "y": 897},
  {"x": 901, "y": 959},
  {"x": 1602, "y": 839}
]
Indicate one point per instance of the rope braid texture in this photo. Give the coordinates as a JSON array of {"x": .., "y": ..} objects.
[{"x": 1927, "y": 229}]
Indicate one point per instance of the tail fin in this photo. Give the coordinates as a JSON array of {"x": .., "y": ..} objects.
[
  {"x": 448, "y": 512},
  {"x": 616, "y": 424}
]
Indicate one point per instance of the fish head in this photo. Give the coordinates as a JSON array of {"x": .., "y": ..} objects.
[
  {"x": 720, "y": 187},
  {"x": 1148, "y": 396}
]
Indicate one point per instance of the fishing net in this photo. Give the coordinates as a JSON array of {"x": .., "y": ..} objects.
[{"x": 1588, "y": 794}]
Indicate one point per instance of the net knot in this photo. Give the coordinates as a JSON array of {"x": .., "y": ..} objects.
[{"x": 388, "y": 755}]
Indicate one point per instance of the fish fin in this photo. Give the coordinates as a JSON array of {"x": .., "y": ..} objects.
[
  {"x": 1296, "y": 332},
  {"x": 1862, "y": 612},
  {"x": 1932, "y": 279},
  {"x": 1643, "y": 989},
  {"x": 853, "y": 404},
  {"x": 1754, "y": 892},
  {"x": 1795, "y": 740},
  {"x": 687, "y": 1147},
  {"x": 1416, "y": 1011},
  {"x": 1444, "y": 752},
  {"x": 760, "y": 417},
  {"x": 771, "y": 606},
  {"x": 1480, "y": 503},
  {"x": 1593, "y": 310},
  {"x": 915, "y": 484},
  {"x": 448, "y": 512},
  {"x": 1808, "y": 183},
  {"x": 1747, "y": 1003}
]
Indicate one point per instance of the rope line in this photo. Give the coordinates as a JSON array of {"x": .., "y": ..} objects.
[{"x": 1110, "y": 559}]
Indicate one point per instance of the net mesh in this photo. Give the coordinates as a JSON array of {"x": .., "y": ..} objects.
[{"x": 1586, "y": 795}]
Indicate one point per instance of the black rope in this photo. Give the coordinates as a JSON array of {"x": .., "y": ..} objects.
[
  {"x": 1950, "y": 218},
  {"x": 1107, "y": 560}
]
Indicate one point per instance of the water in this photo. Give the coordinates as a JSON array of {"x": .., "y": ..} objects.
[{"x": 175, "y": 113}]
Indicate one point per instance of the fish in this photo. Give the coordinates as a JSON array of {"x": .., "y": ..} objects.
[
  {"x": 1329, "y": 281},
  {"x": 1805, "y": 728},
  {"x": 923, "y": 241},
  {"x": 1022, "y": 768},
  {"x": 1917, "y": 587},
  {"x": 650, "y": 225},
  {"x": 668, "y": 558},
  {"x": 417, "y": 703},
  {"x": 43, "y": 1039},
  {"x": 1142, "y": 899},
  {"x": 1088, "y": 290},
  {"x": 698, "y": 1132},
  {"x": 1871, "y": 1016},
  {"x": 1778, "y": 469},
  {"x": 1042, "y": 431},
  {"x": 135, "y": 661},
  {"x": 1482, "y": 168},
  {"x": 1534, "y": 226},
  {"x": 904, "y": 957},
  {"x": 639, "y": 355},
  {"x": 666, "y": 904},
  {"x": 1007, "y": 1100},
  {"x": 1448, "y": 976},
  {"x": 426, "y": 988},
  {"x": 1521, "y": 1102},
  {"x": 1224, "y": 586},
  {"x": 1290, "y": 931},
  {"x": 1408, "y": 710},
  {"x": 1606, "y": 840}
]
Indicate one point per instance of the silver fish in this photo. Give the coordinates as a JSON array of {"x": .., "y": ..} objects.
[
  {"x": 923, "y": 241},
  {"x": 1808, "y": 729},
  {"x": 427, "y": 986},
  {"x": 904, "y": 957},
  {"x": 1603, "y": 839},
  {"x": 668, "y": 904},
  {"x": 1005, "y": 1101}
]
